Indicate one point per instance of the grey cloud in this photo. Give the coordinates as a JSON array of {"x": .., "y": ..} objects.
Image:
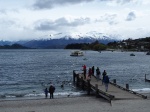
[
  {"x": 7, "y": 23},
  {"x": 2, "y": 11},
  {"x": 131, "y": 16},
  {"x": 60, "y": 23},
  {"x": 110, "y": 19},
  {"x": 48, "y": 4},
  {"x": 123, "y": 1},
  {"x": 5, "y": 11}
]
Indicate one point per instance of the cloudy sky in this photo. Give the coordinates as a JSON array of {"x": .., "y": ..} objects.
[{"x": 34, "y": 19}]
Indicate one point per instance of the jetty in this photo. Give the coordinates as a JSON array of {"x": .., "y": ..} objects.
[{"x": 115, "y": 91}]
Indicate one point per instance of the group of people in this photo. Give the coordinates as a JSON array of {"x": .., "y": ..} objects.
[
  {"x": 51, "y": 91},
  {"x": 90, "y": 72},
  {"x": 105, "y": 78}
]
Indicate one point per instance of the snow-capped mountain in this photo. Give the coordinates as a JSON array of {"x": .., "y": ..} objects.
[
  {"x": 91, "y": 35},
  {"x": 60, "y": 40}
]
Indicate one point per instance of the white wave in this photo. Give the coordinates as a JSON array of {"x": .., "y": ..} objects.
[
  {"x": 142, "y": 90},
  {"x": 56, "y": 94},
  {"x": 34, "y": 95}
]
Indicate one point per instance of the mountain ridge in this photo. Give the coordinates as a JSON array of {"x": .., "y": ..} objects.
[{"x": 60, "y": 40}]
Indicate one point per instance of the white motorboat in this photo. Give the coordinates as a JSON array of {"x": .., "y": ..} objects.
[
  {"x": 132, "y": 54},
  {"x": 77, "y": 53}
]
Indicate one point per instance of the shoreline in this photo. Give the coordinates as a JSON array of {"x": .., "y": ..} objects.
[
  {"x": 74, "y": 104},
  {"x": 57, "y": 96},
  {"x": 41, "y": 97}
]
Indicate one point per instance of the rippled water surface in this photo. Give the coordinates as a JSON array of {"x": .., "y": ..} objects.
[{"x": 25, "y": 73}]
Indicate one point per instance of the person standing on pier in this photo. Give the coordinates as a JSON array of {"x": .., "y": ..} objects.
[
  {"x": 90, "y": 72},
  {"x": 51, "y": 91},
  {"x": 98, "y": 73},
  {"x": 104, "y": 74},
  {"x": 93, "y": 70},
  {"x": 84, "y": 71},
  {"x": 106, "y": 82}
]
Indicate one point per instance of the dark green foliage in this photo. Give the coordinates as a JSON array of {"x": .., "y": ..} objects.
[
  {"x": 86, "y": 46},
  {"x": 14, "y": 46},
  {"x": 99, "y": 47}
]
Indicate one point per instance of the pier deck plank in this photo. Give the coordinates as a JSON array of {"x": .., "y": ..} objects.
[{"x": 113, "y": 90}]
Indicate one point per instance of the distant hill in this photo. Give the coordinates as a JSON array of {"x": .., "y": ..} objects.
[
  {"x": 2, "y": 43},
  {"x": 60, "y": 40},
  {"x": 61, "y": 43},
  {"x": 13, "y": 46}
]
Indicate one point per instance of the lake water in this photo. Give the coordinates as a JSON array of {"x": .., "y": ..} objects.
[{"x": 25, "y": 73}]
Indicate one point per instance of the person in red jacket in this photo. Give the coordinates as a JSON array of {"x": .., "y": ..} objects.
[{"x": 84, "y": 71}]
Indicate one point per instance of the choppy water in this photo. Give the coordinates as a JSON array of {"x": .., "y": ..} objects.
[{"x": 25, "y": 73}]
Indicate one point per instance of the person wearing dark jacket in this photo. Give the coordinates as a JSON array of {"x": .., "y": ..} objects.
[
  {"x": 93, "y": 69},
  {"x": 106, "y": 82},
  {"x": 51, "y": 91},
  {"x": 103, "y": 75}
]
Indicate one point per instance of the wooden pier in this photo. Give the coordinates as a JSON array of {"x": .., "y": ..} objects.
[{"x": 115, "y": 92}]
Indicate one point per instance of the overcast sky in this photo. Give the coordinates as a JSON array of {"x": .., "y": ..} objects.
[{"x": 34, "y": 19}]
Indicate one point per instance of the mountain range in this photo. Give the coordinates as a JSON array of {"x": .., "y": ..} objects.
[{"x": 60, "y": 40}]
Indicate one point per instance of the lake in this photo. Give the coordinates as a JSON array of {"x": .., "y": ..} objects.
[{"x": 26, "y": 72}]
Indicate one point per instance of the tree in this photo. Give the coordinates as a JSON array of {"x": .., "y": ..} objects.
[{"x": 98, "y": 47}]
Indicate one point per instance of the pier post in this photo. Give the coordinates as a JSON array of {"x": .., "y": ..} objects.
[
  {"x": 89, "y": 87},
  {"x": 82, "y": 81},
  {"x": 78, "y": 80},
  {"x": 114, "y": 81},
  {"x": 127, "y": 86},
  {"x": 96, "y": 87},
  {"x": 74, "y": 76}
]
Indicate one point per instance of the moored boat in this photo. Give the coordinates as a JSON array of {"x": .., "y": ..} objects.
[
  {"x": 132, "y": 54},
  {"x": 77, "y": 53}
]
